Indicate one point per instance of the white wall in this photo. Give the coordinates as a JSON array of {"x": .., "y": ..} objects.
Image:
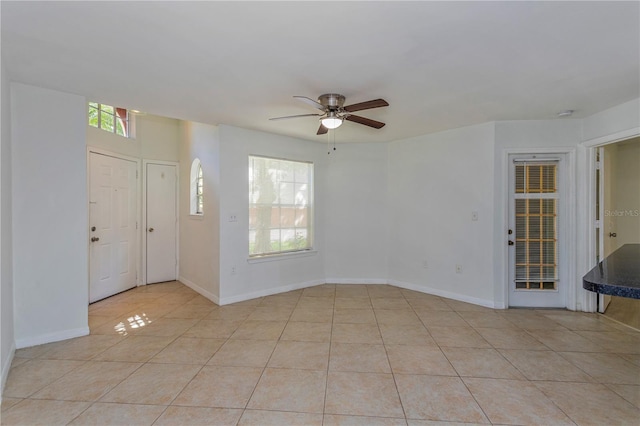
[
  {"x": 623, "y": 119},
  {"x": 531, "y": 136},
  {"x": 288, "y": 272},
  {"x": 200, "y": 235},
  {"x": 7, "y": 341},
  {"x": 435, "y": 183},
  {"x": 49, "y": 190},
  {"x": 356, "y": 214},
  {"x": 156, "y": 138},
  {"x": 44, "y": 208}
]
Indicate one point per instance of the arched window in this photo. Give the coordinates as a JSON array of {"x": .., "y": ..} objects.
[{"x": 197, "y": 188}]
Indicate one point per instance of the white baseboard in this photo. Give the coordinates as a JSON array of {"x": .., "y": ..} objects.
[
  {"x": 6, "y": 366},
  {"x": 51, "y": 337},
  {"x": 195, "y": 287},
  {"x": 442, "y": 293},
  {"x": 270, "y": 291},
  {"x": 339, "y": 281},
  {"x": 357, "y": 281}
]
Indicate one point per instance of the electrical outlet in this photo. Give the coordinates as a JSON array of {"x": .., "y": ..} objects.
[
  {"x": 474, "y": 215},
  {"x": 233, "y": 270},
  {"x": 458, "y": 269},
  {"x": 233, "y": 217},
  {"x": 425, "y": 264}
]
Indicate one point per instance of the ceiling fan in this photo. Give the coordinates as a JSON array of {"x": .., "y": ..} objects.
[{"x": 334, "y": 112}]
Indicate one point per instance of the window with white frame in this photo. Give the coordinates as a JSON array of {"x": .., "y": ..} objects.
[
  {"x": 109, "y": 118},
  {"x": 197, "y": 189},
  {"x": 280, "y": 206}
]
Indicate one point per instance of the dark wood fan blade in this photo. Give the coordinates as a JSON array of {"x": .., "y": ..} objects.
[
  {"x": 375, "y": 103},
  {"x": 310, "y": 102},
  {"x": 295, "y": 116},
  {"x": 366, "y": 121},
  {"x": 322, "y": 130}
]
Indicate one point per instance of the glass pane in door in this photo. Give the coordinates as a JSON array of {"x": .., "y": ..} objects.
[{"x": 536, "y": 222}]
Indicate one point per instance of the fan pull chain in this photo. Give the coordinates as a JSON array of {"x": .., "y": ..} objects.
[
  {"x": 331, "y": 132},
  {"x": 329, "y": 142}
]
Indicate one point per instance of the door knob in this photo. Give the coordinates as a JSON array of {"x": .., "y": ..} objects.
[
  {"x": 612, "y": 235},
  {"x": 150, "y": 229},
  {"x": 510, "y": 242},
  {"x": 94, "y": 239},
  {"x": 93, "y": 229}
]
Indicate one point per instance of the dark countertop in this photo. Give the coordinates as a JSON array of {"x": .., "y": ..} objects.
[{"x": 618, "y": 274}]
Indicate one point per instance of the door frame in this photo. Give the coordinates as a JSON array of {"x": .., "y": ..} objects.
[
  {"x": 560, "y": 293},
  {"x": 100, "y": 151},
  {"x": 601, "y": 169},
  {"x": 569, "y": 212},
  {"x": 143, "y": 280},
  {"x": 589, "y": 299}
]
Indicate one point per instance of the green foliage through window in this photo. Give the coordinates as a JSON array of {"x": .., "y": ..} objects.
[
  {"x": 280, "y": 205},
  {"x": 109, "y": 118}
]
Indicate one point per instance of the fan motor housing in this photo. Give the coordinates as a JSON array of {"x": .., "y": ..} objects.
[{"x": 332, "y": 100}]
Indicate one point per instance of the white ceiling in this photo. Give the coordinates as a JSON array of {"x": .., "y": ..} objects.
[{"x": 440, "y": 65}]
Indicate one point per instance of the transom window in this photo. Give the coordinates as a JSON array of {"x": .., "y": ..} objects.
[
  {"x": 109, "y": 118},
  {"x": 280, "y": 206}
]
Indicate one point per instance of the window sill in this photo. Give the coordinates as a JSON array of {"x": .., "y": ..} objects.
[
  {"x": 282, "y": 256},
  {"x": 196, "y": 216}
]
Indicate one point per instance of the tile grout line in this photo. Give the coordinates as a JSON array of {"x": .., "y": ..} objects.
[
  {"x": 527, "y": 332},
  {"x": 264, "y": 369},
  {"x": 166, "y": 407},
  {"x": 125, "y": 378},
  {"x": 393, "y": 374},
  {"x": 454, "y": 368},
  {"x": 326, "y": 380}
]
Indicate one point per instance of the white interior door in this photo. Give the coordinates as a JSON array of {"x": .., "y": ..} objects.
[
  {"x": 161, "y": 232},
  {"x": 112, "y": 222},
  {"x": 536, "y": 235}
]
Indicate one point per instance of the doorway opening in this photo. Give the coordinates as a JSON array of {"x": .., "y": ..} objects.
[{"x": 617, "y": 215}]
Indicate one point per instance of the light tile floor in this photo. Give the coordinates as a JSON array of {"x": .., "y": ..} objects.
[{"x": 327, "y": 355}]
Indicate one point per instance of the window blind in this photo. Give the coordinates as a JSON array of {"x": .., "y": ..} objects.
[{"x": 536, "y": 229}]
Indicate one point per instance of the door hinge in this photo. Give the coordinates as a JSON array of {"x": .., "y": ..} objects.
[
  {"x": 136, "y": 224},
  {"x": 597, "y": 224},
  {"x": 136, "y": 174},
  {"x": 598, "y": 165}
]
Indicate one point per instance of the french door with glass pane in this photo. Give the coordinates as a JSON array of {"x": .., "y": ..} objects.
[{"x": 535, "y": 232}]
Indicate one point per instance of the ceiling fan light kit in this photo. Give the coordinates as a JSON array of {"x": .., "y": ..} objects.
[
  {"x": 331, "y": 121},
  {"x": 334, "y": 112}
]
